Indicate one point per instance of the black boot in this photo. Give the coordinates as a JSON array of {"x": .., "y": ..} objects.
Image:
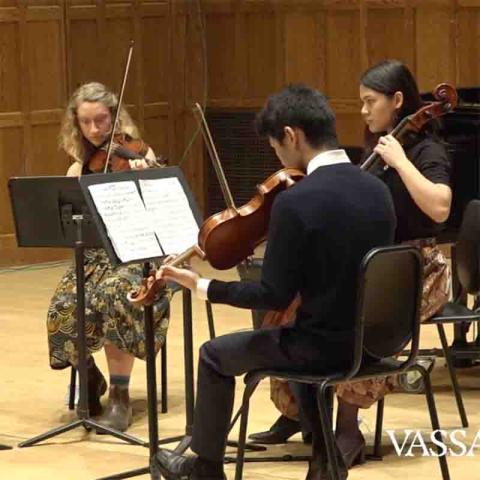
[
  {"x": 279, "y": 432},
  {"x": 97, "y": 386},
  {"x": 118, "y": 413},
  {"x": 318, "y": 466}
]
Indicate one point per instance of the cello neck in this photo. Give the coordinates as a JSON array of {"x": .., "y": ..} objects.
[
  {"x": 397, "y": 132},
  {"x": 212, "y": 151}
]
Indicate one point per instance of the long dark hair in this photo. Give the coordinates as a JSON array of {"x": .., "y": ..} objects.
[
  {"x": 392, "y": 76},
  {"x": 388, "y": 77}
]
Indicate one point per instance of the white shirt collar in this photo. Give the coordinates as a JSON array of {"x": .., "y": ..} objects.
[{"x": 330, "y": 157}]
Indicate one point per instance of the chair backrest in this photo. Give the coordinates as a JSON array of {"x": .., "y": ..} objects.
[
  {"x": 388, "y": 302},
  {"x": 468, "y": 249}
]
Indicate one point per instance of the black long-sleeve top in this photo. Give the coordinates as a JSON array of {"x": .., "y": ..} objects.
[{"x": 320, "y": 229}]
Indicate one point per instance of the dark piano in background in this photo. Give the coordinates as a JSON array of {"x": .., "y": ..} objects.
[{"x": 461, "y": 130}]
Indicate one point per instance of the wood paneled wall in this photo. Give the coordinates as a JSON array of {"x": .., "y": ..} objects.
[{"x": 253, "y": 47}]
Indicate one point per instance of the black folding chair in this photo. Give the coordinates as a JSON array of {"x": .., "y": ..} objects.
[
  {"x": 466, "y": 262},
  {"x": 387, "y": 319}
]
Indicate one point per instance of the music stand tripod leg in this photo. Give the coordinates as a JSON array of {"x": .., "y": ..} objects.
[
  {"x": 82, "y": 409},
  {"x": 152, "y": 390},
  {"x": 151, "y": 397}
]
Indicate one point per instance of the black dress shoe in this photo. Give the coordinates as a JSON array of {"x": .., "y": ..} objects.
[
  {"x": 279, "y": 432},
  {"x": 177, "y": 467},
  {"x": 173, "y": 466}
]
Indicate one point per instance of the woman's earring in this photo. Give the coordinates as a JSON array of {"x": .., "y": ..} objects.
[{"x": 395, "y": 117}]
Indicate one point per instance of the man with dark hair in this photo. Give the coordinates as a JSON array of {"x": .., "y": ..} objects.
[
  {"x": 298, "y": 106},
  {"x": 320, "y": 229}
]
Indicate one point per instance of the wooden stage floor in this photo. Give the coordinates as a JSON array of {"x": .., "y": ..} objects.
[{"x": 32, "y": 399}]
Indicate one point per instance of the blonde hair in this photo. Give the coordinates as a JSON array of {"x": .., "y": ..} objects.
[{"x": 70, "y": 137}]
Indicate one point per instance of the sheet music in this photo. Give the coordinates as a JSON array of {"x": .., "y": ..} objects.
[
  {"x": 127, "y": 222},
  {"x": 172, "y": 217}
]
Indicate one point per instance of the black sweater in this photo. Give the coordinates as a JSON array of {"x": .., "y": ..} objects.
[{"x": 320, "y": 229}]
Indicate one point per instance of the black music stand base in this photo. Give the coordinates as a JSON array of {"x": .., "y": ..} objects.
[
  {"x": 184, "y": 440},
  {"x": 88, "y": 424},
  {"x": 82, "y": 410},
  {"x": 152, "y": 400}
]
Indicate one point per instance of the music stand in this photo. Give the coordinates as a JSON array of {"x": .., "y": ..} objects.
[
  {"x": 51, "y": 212},
  {"x": 154, "y": 441}
]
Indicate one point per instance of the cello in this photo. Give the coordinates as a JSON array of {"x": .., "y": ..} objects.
[{"x": 446, "y": 100}]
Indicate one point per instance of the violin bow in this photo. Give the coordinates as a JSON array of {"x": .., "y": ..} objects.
[
  {"x": 119, "y": 105},
  {"x": 207, "y": 136}
]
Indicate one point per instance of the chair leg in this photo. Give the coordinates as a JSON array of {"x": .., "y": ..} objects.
[
  {"x": 235, "y": 418},
  {"x": 432, "y": 409},
  {"x": 330, "y": 399},
  {"x": 211, "y": 324},
  {"x": 453, "y": 375},
  {"x": 242, "y": 437},
  {"x": 377, "y": 448},
  {"x": 164, "y": 377},
  {"x": 73, "y": 381},
  {"x": 329, "y": 439}
]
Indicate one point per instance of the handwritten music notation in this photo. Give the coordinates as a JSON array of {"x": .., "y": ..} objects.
[
  {"x": 161, "y": 223},
  {"x": 170, "y": 213}
]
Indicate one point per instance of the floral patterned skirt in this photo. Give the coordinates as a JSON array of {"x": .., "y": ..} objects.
[{"x": 109, "y": 316}]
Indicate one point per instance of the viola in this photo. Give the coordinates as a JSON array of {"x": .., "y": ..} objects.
[{"x": 227, "y": 238}]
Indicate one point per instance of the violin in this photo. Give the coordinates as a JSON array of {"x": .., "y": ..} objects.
[
  {"x": 114, "y": 154},
  {"x": 124, "y": 148},
  {"x": 227, "y": 238}
]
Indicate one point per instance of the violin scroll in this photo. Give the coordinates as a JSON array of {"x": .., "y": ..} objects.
[{"x": 147, "y": 291}]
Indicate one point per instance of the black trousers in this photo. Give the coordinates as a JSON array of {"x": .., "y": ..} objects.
[{"x": 225, "y": 357}]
